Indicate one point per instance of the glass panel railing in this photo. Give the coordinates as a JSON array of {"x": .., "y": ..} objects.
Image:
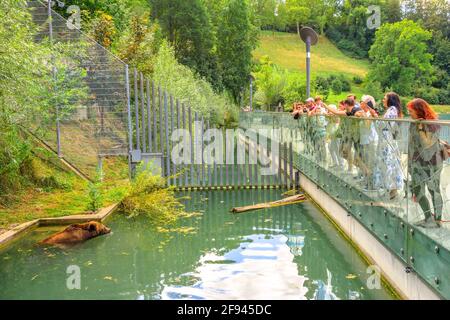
[{"x": 391, "y": 175}]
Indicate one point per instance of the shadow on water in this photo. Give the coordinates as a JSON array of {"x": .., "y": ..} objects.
[{"x": 289, "y": 252}]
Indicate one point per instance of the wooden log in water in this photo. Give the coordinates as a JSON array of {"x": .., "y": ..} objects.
[{"x": 283, "y": 202}]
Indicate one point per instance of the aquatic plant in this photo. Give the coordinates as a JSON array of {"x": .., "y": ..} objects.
[
  {"x": 150, "y": 196},
  {"x": 95, "y": 194}
]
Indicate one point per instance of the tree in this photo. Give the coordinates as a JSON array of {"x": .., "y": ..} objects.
[
  {"x": 297, "y": 13},
  {"x": 236, "y": 40},
  {"x": 399, "y": 57},
  {"x": 188, "y": 28},
  {"x": 270, "y": 83},
  {"x": 432, "y": 14}
]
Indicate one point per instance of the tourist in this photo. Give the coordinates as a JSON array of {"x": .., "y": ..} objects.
[
  {"x": 349, "y": 131},
  {"x": 368, "y": 140},
  {"x": 426, "y": 158},
  {"x": 388, "y": 173},
  {"x": 334, "y": 141},
  {"x": 310, "y": 106}
]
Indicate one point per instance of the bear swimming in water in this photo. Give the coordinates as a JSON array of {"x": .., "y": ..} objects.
[{"x": 77, "y": 233}]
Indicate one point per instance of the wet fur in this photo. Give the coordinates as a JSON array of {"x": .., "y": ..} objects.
[{"x": 77, "y": 233}]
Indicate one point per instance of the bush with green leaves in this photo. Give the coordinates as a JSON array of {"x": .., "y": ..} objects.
[
  {"x": 358, "y": 80},
  {"x": 270, "y": 84},
  {"x": 295, "y": 89},
  {"x": 189, "y": 88},
  {"x": 149, "y": 196}
]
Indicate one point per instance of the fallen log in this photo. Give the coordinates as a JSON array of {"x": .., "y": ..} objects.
[{"x": 283, "y": 202}]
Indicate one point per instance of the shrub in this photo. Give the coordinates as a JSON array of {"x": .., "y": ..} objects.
[
  {"x": 95, "y": 194},
  {"x": 336, "y": 86},
  {"x": 357, "y": 80},
  {"x": 345, "y": 83},
  {"x": 189, "y": 88},
  {"x": 429, "y": 94},
  {"x": 295, "y": 89},
  {"x": 149, "y": 196}
]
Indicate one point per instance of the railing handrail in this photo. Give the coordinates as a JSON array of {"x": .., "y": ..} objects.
[{"x": 441, "y": 122}]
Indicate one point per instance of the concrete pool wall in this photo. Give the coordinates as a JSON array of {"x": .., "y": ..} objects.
[{"x": 407, "y": 283}]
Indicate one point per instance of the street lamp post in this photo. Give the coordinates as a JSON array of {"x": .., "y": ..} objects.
[
  {"x": 251, "y": 78},
  {"x": 310, "y": 37}
]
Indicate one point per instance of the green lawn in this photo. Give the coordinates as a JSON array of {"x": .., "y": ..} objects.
[
  {"x": 288, "y": 51},
  {"x": 444, "y": 109}
]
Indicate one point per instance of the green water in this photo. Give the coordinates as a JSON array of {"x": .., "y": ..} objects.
[{"x": 283, "y": 253}]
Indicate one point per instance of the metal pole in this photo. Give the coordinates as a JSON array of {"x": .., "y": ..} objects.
[
  {"x": 202, "y": 130},
  {"x": 149, "y": 119},
  {"x": 50, "y": 35},
  {"x": 308, "y": 67},
  {"x": 251, "y": 93},
  {"x": 155, "y": 126},
  {"x": 144, "y": 142},
  {"x": 185, "y": 172},
  {"x": 179, "y": 127},
  {"x": 166, "y": 124},
  {"x": 291, "y": 164},
  {"x": 136, "y": 109},
  {"x": 130, "y": 128},
  {"x": 172, "y": 124},
  {"x": 192, "y": 147}
]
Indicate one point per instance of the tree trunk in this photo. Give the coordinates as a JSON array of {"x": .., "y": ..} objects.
[
  {"x": 289, "y": 200},
  {"x": 298, "y": 28}
]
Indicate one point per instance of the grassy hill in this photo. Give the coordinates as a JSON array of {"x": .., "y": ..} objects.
[{"x": 288, "y": 51}]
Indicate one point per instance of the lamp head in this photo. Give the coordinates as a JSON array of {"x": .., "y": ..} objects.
[{"x": 307, "y": 32}]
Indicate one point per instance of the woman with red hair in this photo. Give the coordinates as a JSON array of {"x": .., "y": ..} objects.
[{"x": 425, "y": 161}]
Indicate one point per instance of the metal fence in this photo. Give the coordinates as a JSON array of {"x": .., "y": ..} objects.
[
  {"x": 114, "y": 110},
  {"x": 90, "y": 98}
]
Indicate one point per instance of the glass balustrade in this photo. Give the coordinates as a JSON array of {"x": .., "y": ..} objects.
[{"x": 391, "y": 175}]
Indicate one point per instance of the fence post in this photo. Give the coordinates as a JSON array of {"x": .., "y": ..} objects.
[
  {"x": 291, "y": 164},
  {"x": 155, "y": 125},
  {"x": 185, "y": 165},
  {"x": 136, "y": 109},
  {"x": 285, "y": 164},
  {"x": 180, "y": 182},
  {"x": 149, "y": 118},
  {"x": 169, "y": 152},
  {"x": 144, "y": 134},
  {"x": 50, "y": 35},
  {"x": 166, "y": 124},
  {"x": 130, "y": 128},
  {"x": 202, "y": 130},
  {"x": 192, "y": 146}
]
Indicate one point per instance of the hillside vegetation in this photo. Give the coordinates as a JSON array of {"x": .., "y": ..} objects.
[{"x": 289, "y": 52}]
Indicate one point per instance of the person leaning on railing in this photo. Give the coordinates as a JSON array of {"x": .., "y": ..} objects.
[
  {"x": 388, "y": 170},
  {"x": 425, "y": 161},
  {"x": 346, "y": 129},
  {"x": 368, "y": 140}
]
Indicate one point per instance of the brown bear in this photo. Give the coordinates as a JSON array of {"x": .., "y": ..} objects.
[{"x": 78, "y": 233}]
